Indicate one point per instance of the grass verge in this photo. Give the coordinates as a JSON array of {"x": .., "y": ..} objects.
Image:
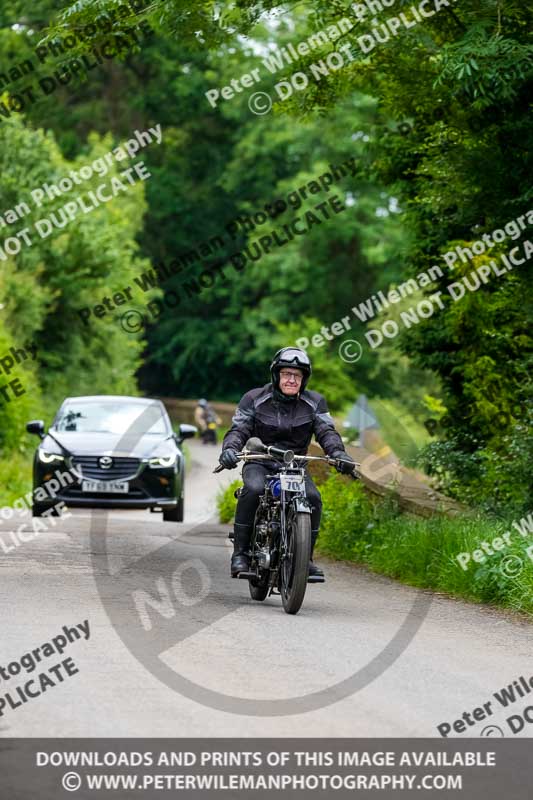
[
  {"x": 16, "y": 478},
  {"x": 417, "y": 551}
]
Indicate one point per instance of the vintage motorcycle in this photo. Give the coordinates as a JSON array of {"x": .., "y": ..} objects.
[{"x": 281, "y": 539}]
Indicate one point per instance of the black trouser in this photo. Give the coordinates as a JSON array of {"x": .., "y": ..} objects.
[
  {"x": 253, "y": 476},
  {"x": 209, "y": 436}
]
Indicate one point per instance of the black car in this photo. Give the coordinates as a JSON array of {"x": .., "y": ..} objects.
[{"x": 110, "y": 452}]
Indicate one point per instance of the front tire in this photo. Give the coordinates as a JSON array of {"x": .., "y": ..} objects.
[
  {"x": 39, "y": 511},
  {"x": 295, "y": 565},
  {"x": 174, "y": 514},
  {"x": 259, "y": 588}
]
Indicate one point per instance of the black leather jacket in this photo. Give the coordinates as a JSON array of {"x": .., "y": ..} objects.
[{"x": 283, "y": 422}]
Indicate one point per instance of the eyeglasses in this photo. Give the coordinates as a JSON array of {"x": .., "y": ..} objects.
[{"x": 295, "y": 376}]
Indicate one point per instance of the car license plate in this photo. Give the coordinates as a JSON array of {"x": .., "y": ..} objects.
[
  {"x": 113, "y": 487},
  {"x": 292, "y": 483}
]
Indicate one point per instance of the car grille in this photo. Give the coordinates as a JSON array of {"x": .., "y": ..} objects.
[{"x": 120, "y": 469}]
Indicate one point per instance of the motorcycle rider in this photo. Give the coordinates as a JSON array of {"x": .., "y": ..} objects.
[
  {"x": 206, "y": 419},
  {"x": 286, "y": 414}
]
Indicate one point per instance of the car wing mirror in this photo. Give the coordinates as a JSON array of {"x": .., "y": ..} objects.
[
  {"x": 36, "y": 426},
  {"x": 186, "y": 432}
]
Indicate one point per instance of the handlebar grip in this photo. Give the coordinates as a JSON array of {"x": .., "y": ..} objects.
[
  {"x": 255, "y": 445},
  {"x": 275, "y": 451},
  {"x": 219, "y": 468}
]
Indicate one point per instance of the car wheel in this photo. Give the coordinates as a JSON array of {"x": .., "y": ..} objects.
[
  {"x": 38, "y": 511},
  {"x": 174, "y": 514}
]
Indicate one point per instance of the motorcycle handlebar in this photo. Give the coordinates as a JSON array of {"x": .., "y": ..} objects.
[{"x": 275, "y": 451}]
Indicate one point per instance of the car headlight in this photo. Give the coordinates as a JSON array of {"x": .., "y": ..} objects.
[
  {"x": 49, "y": 458},
  {"x": 163, "y": 461}
]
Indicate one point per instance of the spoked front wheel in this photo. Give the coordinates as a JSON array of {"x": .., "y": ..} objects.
[{"x": 295, "y": 562}]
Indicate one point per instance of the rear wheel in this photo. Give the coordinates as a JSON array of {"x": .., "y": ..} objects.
[
  {"x": 258, "y": 586},
  {"x": 295, "y": 564},
  {"x": 174, "y": 514}
]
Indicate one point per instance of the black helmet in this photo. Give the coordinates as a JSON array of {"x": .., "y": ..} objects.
[{"x": 290, "y": 357}]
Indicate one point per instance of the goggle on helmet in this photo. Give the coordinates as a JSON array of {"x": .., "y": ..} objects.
[{"x": 290, "y": 357}]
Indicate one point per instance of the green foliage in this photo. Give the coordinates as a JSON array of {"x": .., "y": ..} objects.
[
  {"x": 227, "y": 502},
  {"x": 16, "y": 477},
  {"x": 317, "y": 276},
  {"x": 400, "y": 428},
  {"x": 422, "y": 552},
  {"x": 463, "y": 80},
  {"x": 485, "y": 66},
  {"x": 434, "y": 406},
  {"x": 393, "y": 374},
  {"x": 16, "y": 411},
  {"x": 492, "y": 478},
  {"x": 45, "y": 285},
  {"x": 346, "y": 510}
]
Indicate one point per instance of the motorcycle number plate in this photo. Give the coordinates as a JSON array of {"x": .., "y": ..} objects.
[{"x": 292, "y": 483}]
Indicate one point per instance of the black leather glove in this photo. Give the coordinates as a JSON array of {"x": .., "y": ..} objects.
[
  {"x": 347, "y": 464},
  {"x": 228, "y": 458}
]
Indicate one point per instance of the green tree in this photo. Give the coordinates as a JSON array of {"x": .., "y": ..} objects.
[{"x": 46, "y": 284}]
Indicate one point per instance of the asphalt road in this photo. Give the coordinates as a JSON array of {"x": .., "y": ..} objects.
[{"x": 169, "y": 627}]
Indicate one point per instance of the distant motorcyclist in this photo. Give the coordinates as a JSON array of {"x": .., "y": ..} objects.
[
  {"x": 207, "y": 421},
  {"x": 285, "y": 414}
]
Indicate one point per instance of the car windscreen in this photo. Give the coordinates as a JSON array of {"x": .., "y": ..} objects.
[{"x": 111, "y": 417}]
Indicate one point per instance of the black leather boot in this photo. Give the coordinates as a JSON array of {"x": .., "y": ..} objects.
[
  {"x": 314, "y": 569},
  {"x": 240, "y": 560}
]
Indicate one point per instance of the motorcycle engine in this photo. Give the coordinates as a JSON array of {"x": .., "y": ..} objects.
[{"x": 263, "y": 557}]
